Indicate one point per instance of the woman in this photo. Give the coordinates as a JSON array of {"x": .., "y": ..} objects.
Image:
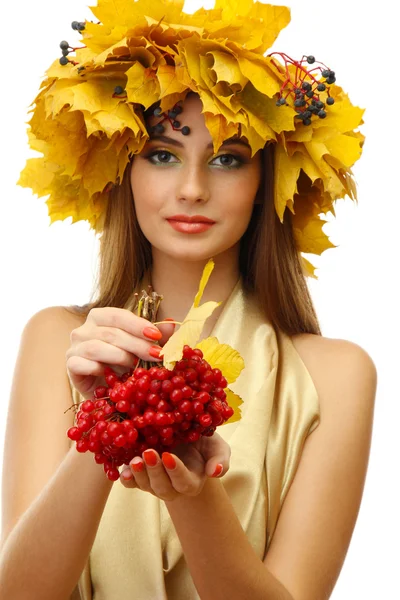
[{"x": 266, "y": 507}]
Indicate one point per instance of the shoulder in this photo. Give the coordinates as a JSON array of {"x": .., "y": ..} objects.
[
  {"x": 56, "y": 316},
  {"x": 53, "y": 323},
  {"x": 336, "y": 366},
  {"x": 311, "y": 346}
]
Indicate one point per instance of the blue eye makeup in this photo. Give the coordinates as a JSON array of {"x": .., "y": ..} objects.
[{"x": 238, "y": 160}]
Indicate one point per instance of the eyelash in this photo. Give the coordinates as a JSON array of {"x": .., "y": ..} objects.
[{"x": 239, "y": 159}]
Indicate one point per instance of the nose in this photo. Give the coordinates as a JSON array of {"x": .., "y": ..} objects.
[{"x": 193, "y": 185}]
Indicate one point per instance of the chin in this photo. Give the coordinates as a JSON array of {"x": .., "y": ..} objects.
[{"x": 201, "y": 250}]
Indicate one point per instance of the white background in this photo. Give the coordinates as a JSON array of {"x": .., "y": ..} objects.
[{"x": 356, "y": 295}]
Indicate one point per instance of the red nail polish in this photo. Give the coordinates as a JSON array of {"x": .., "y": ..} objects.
[
  {"x": 154, "y": 351},
  {"x": 137, "y": 467},
  {"x": 152, "y": 333},
  {"x": 218, "y": 470},
  {"x": 150, "y": 458},
  {"x": 168, "y": 460},
  {"x": 174, "y": 324}
]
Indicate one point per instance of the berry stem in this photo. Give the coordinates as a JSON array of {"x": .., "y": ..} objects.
[
  {"x": 147, "y": 307},
  {"x": 76, "y": 406},
  {"x": 298, "y": 64}
]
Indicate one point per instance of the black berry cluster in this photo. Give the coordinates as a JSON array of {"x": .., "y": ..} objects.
[
  {"x": 306, "y": 98},
  {"x": 171, "y": 117},
  {"x": 77, "y": 26},
  {"x": 65, "y": 47}
]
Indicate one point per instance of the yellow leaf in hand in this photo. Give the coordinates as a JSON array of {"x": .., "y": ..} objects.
[
  {"x": 234, "y": 401},
  {"x": 208, "y": 269},
  {"x": 188, "y": 333},
  {"x": 192, "y": 325},
  {"x": 223, "y": 357}
]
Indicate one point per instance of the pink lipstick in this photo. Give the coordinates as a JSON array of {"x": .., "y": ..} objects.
[{"x": 190, "y": 224}]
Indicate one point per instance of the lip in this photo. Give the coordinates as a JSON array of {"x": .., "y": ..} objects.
[
  {"x": 188, "y": 219},
  {"x": 190, "y": 227}
]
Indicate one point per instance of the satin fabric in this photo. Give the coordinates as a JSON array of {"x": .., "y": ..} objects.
[{"x": 136, "y": 552}]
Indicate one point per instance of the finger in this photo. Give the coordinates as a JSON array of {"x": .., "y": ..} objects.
[
  {"x": 217, "y": 454},
  {"x": 118, "y": 318},
  {"x": 215, "y": 470},
  {"x": 218, "y": 465},
  {"x": 101, "y": 352},
  {"x": 167, "y": 330},
  {"x": 138, "y": 345},
  {"x": 120, "y": 328},
  {"x": 183, "y": 481},
  {"x": 80, "y": 368},
  {"x": 140, "y": 474},
  {"x": 127, "y": 479},
  {"x": 159, "y": 481}
]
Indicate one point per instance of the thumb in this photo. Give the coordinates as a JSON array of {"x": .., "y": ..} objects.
[{"x": 167, "y": 330}]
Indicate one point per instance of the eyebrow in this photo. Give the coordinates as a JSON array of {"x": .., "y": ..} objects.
[{"x": 173, "y": 142}]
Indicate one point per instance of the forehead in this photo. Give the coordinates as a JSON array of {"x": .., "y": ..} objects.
[
  {"x": 176, "y": 142},
  {"x": 191, "y": 115}
]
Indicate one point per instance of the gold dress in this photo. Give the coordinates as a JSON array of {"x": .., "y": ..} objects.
[{"x": 137, "y": 553}]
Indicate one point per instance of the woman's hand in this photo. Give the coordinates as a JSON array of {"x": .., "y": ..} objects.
[
  {"x": 112, "y": 337},
  {"x": 208, "y": 457}
]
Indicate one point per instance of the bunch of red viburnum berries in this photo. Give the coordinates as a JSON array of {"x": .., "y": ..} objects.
[{"x": 151, "y": 408}]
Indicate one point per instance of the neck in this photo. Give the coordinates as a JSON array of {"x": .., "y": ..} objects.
[{"x": 178, "y": 282}]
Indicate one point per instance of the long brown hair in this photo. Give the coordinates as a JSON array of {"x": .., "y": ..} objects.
[{"x": 270, "y": 263}]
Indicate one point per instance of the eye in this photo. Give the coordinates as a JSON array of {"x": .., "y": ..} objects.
[
  {"x": 229, "y": 161},
  {"x": 163, "y": 157},
  {"x": 228, "y": 164}
]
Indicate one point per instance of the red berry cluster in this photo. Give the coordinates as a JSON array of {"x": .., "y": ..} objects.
[{"x": 151, "y": 408}]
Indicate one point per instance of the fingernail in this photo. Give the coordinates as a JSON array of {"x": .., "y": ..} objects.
[
  {"x": 218, "y": 470},
  {"x": 137, "y": 466},
  {"x": 152, "y": 333},
  {"x": 168, "y": 460},
  {"x": 127, "y": 475},
  {"x": 150, "y": 458},
  {"x": 174, "y": 324},
  {"x": 154, "y": 351}
]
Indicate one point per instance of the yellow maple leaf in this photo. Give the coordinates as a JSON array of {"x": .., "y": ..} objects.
[
  {"x": 218, "y": 53},
  {"x": 192, "y": 325},
  {"x": 141, "y": 86},
  {"x": 223, "y": 357},
  {"x": 285, "y": 186},
  {"x": 229, "y": 361},
  {"x": 308, "y": 268},
  {"x": 219, "y": 356},
  {"x": 234, "y": 401},
  {"x": 227, "y": 69},
  {"x": 258, "y": 72},
  {"x": 169, "y": 83}
]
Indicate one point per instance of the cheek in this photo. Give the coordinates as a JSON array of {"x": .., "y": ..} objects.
[
  {"x": 145, "y": 195},
  {"x": 241, "y": 198}
]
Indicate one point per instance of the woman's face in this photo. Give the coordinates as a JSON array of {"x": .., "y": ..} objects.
[{"x": 182, "y": 176}]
